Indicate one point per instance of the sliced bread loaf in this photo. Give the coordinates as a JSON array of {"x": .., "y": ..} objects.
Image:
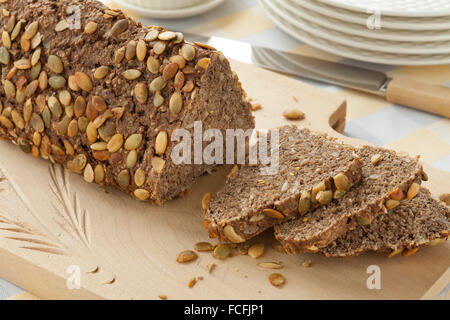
[
  {"x": 421, "y": 221},
  {"x": 387, "y": 179},
  {"x": 312, "y": 167}
]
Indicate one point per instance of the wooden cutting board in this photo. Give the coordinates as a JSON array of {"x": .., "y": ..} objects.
[{"x": 51, "y": 219}]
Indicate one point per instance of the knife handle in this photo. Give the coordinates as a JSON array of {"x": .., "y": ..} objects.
[{"x": 419, "y": 95}]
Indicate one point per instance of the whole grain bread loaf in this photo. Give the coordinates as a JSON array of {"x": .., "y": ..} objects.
[
  {"x": 313, "y": 169},
  {"x": 387, "y": 179},
  {"x": 421, "y": 221},
  {"x": 87, "y": 87}
]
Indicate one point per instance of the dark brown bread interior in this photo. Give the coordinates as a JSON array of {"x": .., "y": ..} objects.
[
  {"x": 360, "y": 205},
  {"x": 209, "y": 91},
  {"x": 421, "y": 221},
  {"x": 305, "y": 160}
]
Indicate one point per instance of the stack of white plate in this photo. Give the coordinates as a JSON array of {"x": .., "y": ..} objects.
[
  {"x": 168, "y": 9},
  {"x": 399, "y": 32}
]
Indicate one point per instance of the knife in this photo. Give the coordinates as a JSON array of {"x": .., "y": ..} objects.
[{"x": 400, "y": 90}]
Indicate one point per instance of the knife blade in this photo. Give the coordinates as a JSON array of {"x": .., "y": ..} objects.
[{"x": 411, "y": 93}]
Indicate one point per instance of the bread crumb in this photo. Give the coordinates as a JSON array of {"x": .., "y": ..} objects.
[
  {"x": 295, "y": 98},
  {"x": 256, "y": 106},
  {"x": 163, "y": 297},
  {"x": 192, "y": 282}
]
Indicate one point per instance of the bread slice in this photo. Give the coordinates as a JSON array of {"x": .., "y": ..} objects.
[
  {"x": 421, "y": 221},
  {"x": 387, "y": 178},
  {"x": 251, "y": 202},
  {"x": 102, "y": 95}
]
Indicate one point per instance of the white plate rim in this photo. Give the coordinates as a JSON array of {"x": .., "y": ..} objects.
[
  {"x": 351, "y": 55},
  {"x": 355, "y": 17},
  {"x": 352, "y": 28},
  {"x": 170, "y": 14},
  {"x": 386, "y": 46},
  {"x": 341, "y": 4}
]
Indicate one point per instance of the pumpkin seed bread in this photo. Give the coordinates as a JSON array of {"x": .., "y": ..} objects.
[
  {"x": 95, "y": 91},
  {"x": 387, "y": 179},
  {"x": 313, "y": 169},
  {"x": 421, "y": 221}
]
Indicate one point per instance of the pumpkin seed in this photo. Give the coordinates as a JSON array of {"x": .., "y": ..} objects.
[
  {"x": 130, "y": 51},
  {"x": 204, "y": 246},
  {"x": 91, "y": 112},
  {"x": 139, "y": 177},
  {"x": 10, "y": 89},
  {"x": 206, "y": 199},
  {"x": 179, "y": 60},
  {"x": 43, "y": 80},
  {"x": 315, "y": 190},
  {"x": 119, "y": 27},
  {"x": 119, "y": 55},
  {"x": 151, "y": 35},
  {"x": 101, "y": 72},
  {"x": 395, "y": 252},
  {"x": 408, "y": 252},
  {"x": 133, "y": 142},
  {"x": 391, "y": 204},
  {"x": 55, "y": 64},
  {"x": 88, "y": 173},
  {"x": 413, "y": 190},
  {"x": 157, "y": 84},
  {"x": 141, "y": 194},
  {"x": 72, "y": 129},
  {"x": 270, "y": 265},
  {"x": 31, "y": 88},
  {"x": 375, "y": 159},
  {"x": 101, "y": 155},
  {"x": 307, "y": 264},
  {"x": 6, "y": 40},
  {"x": 294, "y": 114},
  {"x": 277, "y": 279},
  {"x": 167, "y": 35},
  {"x": 115, "y": 143},
  {"x": 63, "y": 125},
  {"x": 131, "y": 159},
  {"x": 435, "y": 242},
  {"x": 256, "y": 250},
  {"x": 83, "y": 81},
  {"x": 73, "y": 84},
  {"x": 158, "y": 99},
  {"x": 274, "y": 214},
  {"x": 91, "y": 132},
  {"x": 188, "y": 52},
  {"x": 62, "y": 25},
  {"x": 57, "y": 82},
  {"x": 222, "y": 251},
  {"x": 99, "y": 103},
  {"x": 141, "y": 50},
  {"x": 204, "y": 63},
  {"x": 79, "y": 162},
  {"x": 192, "y": 282},
  {"x": 4, "y": 56},
  {"x": 176, "y": 103},
  {"x": 98, "y": 146},
  {"x": 107, "y": 131},
  {"x": 47, "y": 116},
  {"x": 35, "y": 151},
  {"x": 82, "y": 124},
  {"x": 141, "y": 93},
  {"x": 99, "y": 174},
  {"x": 123, "y": 179},
  {"x": 231, "y": 234},
  {"x": 304, "y": 203},
  {"x": 24, "y": 145},
  {"x": 169, "y": 71},
  {"x": 27, "y": 110},
  {"x": 16, "y": 31},
  {"x": 161, "y": 142},
  {"x": 91, "y": 27},
  {"x": 55, "y": 107},
  {"x": 37, "y": 123},
  {"x": 397, "y": 194},
  {"x": 37, "y": 138},
  {"x": 57, "y": 151},
  {"x": 65, "y": 98},
  {"x": 31, "y": 30},
  {"x": 158, "y": 164},
  {"x": 324, "y": 197},
  {"x": 22, "y": 64},
  {"x": 341, "y": 182},
  {"x": 152, "y": 64},
  {"x": 36, "y": 41},
  {"x": 10, "y": 24},
  {"x": 178, "y": 82},
  {"x": 17, "y": 119},
  {"x": 131, "y": 74},
  {"x": 79, "y": 107},
  {"x": 338, "y": 194},
  {"x": 6, "y": 122},
  {"x": 46, "y": 147},
  {"x": 159, "y": 47}
]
